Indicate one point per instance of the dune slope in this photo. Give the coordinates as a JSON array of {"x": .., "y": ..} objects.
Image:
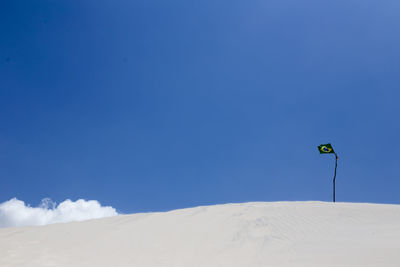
[{"x": 245, "y": 235}]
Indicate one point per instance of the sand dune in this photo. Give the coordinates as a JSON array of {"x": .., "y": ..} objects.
[{"x": 248, "y": 234}]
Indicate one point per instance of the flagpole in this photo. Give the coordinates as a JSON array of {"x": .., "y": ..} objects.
[
  {"x": 328, "y": 149},
  {"x": 334, "y": 178}
]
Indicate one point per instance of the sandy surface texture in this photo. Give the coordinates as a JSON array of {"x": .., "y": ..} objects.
[{"x": 232, "y": 235}]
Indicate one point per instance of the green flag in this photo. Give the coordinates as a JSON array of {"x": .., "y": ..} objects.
[{"x": 326, "y": 149}]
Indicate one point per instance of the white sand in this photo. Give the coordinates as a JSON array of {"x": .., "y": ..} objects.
[{"x": 250, "y": 234}]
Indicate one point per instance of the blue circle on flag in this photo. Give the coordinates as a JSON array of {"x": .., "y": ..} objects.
[{"x": 326, "y": 149}]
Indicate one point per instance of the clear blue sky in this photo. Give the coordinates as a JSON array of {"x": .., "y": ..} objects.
[{"x": 155, "y": 105}]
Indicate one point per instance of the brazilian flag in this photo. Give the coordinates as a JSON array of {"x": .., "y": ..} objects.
[{"x": 326, "y": 149}]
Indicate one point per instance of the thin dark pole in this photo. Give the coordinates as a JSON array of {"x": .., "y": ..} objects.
[{"x": 334, "y": 178}]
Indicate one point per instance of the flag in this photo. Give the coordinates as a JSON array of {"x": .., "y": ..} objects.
[{"x": 326, "y": 149}]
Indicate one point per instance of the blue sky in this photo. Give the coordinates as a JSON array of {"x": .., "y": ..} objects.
[{"x": 157, "y": 105}]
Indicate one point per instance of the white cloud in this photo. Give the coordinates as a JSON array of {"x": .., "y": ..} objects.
[{"x": 15, "y": 212}]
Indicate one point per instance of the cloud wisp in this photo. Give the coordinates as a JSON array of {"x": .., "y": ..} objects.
[{"x": 15, "y": 212}]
